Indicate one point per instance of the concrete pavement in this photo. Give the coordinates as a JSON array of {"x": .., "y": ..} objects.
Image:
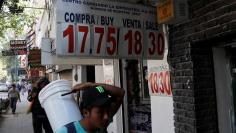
[{"x": 19, "y": 122}]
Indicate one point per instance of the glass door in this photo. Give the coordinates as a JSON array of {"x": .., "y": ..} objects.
[{"x": 138, "y": 110}]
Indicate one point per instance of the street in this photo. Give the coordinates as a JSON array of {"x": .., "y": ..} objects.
[{"x": 18, "y": 123}]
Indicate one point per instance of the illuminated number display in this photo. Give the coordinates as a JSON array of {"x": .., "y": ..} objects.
[
  {"x": 105, "y": 41},
  {"x": 131, "y": 43},
  {"x": 111, "y": 41},
  {"x": 99, "y": 39},
  {"x": 83, "y": 41},
  {"x": 155, "y": 44},
  {"x": 67, "y": 39},
  {"x": 102, "y": 41}
]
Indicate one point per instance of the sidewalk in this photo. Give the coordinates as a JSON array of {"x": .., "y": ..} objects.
[{"x": 18, "y": 123}]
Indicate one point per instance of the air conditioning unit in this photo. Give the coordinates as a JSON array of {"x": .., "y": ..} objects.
[{"x": 172, "y": 11}]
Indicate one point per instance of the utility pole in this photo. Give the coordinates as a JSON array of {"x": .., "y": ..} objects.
[{"x": 16, "y": 67}]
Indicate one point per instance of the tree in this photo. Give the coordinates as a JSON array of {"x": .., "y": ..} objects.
[
  {"x": 15, "y": 17},
  {"x": 15, "y": 21}
]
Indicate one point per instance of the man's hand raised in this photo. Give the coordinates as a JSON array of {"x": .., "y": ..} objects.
[{"x": 83, "y": 86}]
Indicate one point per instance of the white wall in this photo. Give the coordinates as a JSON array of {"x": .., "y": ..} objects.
[
  {"x": 99, "y": 78},
  {"x": 162, "y": 114},
  {"x": 162, "y": 109},
  {"x": 41, "y": 28}
]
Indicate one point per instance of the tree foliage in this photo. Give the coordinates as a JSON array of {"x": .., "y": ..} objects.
[
  {"x": 15, "y": 22},
  {"x": 12, "y": 18}
]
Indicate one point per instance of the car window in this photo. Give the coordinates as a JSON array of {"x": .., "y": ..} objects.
[{"x": 3, "y": 87}]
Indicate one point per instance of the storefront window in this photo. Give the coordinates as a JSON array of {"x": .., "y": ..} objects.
[{"x": 139, "y": 109}]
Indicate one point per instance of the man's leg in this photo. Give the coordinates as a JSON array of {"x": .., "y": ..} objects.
[
  {"x": 37, "y": 124},
  {"x": 46, "y": 125},
  {"x": 13, "y": 105}
]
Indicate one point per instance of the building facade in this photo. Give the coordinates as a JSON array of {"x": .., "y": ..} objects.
[
  {"x": 135, "y": 115},
  {"x": 202, "y": 61}
]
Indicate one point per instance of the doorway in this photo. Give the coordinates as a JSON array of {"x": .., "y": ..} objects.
[
  {"x": 137, "y": 106},
  {"x": 225, "y": 80}
]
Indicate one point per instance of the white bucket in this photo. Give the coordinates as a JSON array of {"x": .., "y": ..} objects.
[{"x": 60, "y": 110}]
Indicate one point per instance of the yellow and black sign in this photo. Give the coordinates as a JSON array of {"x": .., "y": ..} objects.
[{"x": 165, "y": 11}]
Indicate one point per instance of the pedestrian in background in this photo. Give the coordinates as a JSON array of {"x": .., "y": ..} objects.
[
  {"x": 39, "y": 116},
  {"x": 18, "y": 87},
  {"x": 29, "y": 87},
  {"x": 13, "y": 95},
  {"x": 23, "y": 88}
]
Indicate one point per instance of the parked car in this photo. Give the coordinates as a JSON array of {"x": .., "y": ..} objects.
[
  {"x": 3, "y": 87},
  {"x": 4, "y": 100}
]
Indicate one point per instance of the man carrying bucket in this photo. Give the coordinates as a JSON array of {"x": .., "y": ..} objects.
[
  {"x": 39, "y": 116},
  {"x": 99, "y": 104}
]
